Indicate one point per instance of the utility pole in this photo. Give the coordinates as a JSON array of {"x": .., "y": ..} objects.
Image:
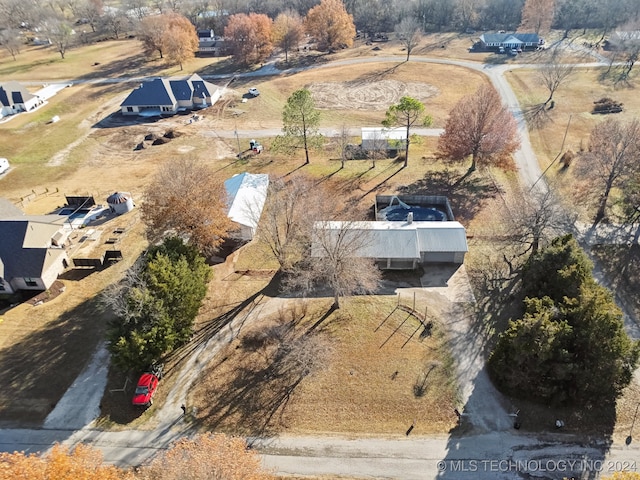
[{"x": 237, "y": 139}]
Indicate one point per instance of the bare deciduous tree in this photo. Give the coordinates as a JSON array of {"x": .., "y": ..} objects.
[
  {"x": 338, "y": 260},
  {"x": 116, "y": 21},
  {"x": 537, "y": 16},
  {"x": 481, "y": 127},
  {"x": 11, "y": 41},
  {"x": 343, "y": 141},
  {"x": 60, "y": 33},
  {"x": 91, "y": 11},
  {"x": 377, "y": 147},
  {"x": 553, "y": 74},
  {"x": 409, "y": 32},
  {"x": 186, "y": 198},
  {"x": 613, "y": 159},
  {"x": 537, "y": 218},
  {"x": 286, "y": 222}
]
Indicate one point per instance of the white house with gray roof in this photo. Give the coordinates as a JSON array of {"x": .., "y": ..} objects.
[
  {"x": 15, "y": 98},
  {"x": 403, "y": 245},
  {"x": 514, "y": 41},
  {"x": 166, "y": 96}
]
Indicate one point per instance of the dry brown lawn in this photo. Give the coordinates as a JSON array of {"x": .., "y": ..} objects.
[
  {"x": 572, "y": 116},
  {"x": 380, "y": 376}
]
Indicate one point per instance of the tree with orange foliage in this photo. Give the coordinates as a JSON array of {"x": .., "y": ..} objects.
[
  {"x": 185, "y": 197},
  {"x": 288, "y": 31},
  {"x": 181, "y": 41},
  {"x": 80, "y": 462},
  {"x": 330, "y": 25},
  {"x": 249, "y": 37},
  {"x": 537, "y": 16},
  {"x": 169, "y": 33},
  {"x": 205, "y": 457},
  {"x": 623, "y": 476},
  {"x": 480, "y": 126}
]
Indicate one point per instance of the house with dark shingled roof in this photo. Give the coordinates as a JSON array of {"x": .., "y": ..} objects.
[
  {"x": 32, "y": 249},
  {"x": 166, "y": 96},
  {"x": 514, "y": 41}
]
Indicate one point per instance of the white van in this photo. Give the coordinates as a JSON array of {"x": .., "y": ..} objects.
[{"x": 4, "y": 165}]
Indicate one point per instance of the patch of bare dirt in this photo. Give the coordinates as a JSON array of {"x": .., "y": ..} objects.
[{"x": 368, "y": 95}]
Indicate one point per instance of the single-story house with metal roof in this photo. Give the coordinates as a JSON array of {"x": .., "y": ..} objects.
[
  {"x": 15, "y": 98},
  {"x": 246, "y": 196},
  {"x": 523, "y": 41},
  {"x": 378, "y": 138},
  {"x": 166, "y": 96},
  {"x": 404, "y": 245},
  {"x": 32, "y": 253}
]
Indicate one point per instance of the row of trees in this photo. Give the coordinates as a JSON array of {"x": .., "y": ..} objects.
[
  {"x": 205, "y": 457},
  {"x": 479, "y": 126},
  {"x": 368, "y": 15},
  {"x": 570, "y": 346},
  {"x": 252, "y": 37}
]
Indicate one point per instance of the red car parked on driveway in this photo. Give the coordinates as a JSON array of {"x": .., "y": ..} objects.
[{"x": 147, "y": 386}]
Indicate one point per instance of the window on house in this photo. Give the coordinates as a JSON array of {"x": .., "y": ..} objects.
[
  {"x": 129, "y": 109},
  {"x": 31, "y": 282},
  {"x": 2, "y": 288}
]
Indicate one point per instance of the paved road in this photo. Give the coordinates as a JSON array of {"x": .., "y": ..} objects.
[
  {"x": 490, "y": 449},
  {"x": 328, "y": 132}
]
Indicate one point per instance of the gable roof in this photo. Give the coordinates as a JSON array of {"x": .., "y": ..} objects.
[
  {"x": 246, "y": 195},
  {"x": 380, "y": 133},
  {"x": 25, "y": 250},
  {"x": 168, "y": 91},
  {"x": 12, "y": 93},
  {"x": 153, "y": 93},
  {"x": 516, "y": 38}
]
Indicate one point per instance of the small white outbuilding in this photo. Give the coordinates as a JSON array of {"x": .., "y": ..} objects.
[{"x": 246, "y": 196}]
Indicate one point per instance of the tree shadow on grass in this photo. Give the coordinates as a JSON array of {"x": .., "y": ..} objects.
[
  {"x": 466, "y": 193},
  {"x": 36, "y": 370},
  {"x": 269, "y": 365},
  {"x": 116, "y": 404}
]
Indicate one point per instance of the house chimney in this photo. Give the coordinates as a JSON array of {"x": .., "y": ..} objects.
[{"x": 410, "y": 217}]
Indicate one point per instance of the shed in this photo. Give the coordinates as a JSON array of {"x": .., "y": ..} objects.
[
  {"x": 377, "y": 138},
  {"x": 246, "y": 196},
  {"x": 120, "y": 202}
]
